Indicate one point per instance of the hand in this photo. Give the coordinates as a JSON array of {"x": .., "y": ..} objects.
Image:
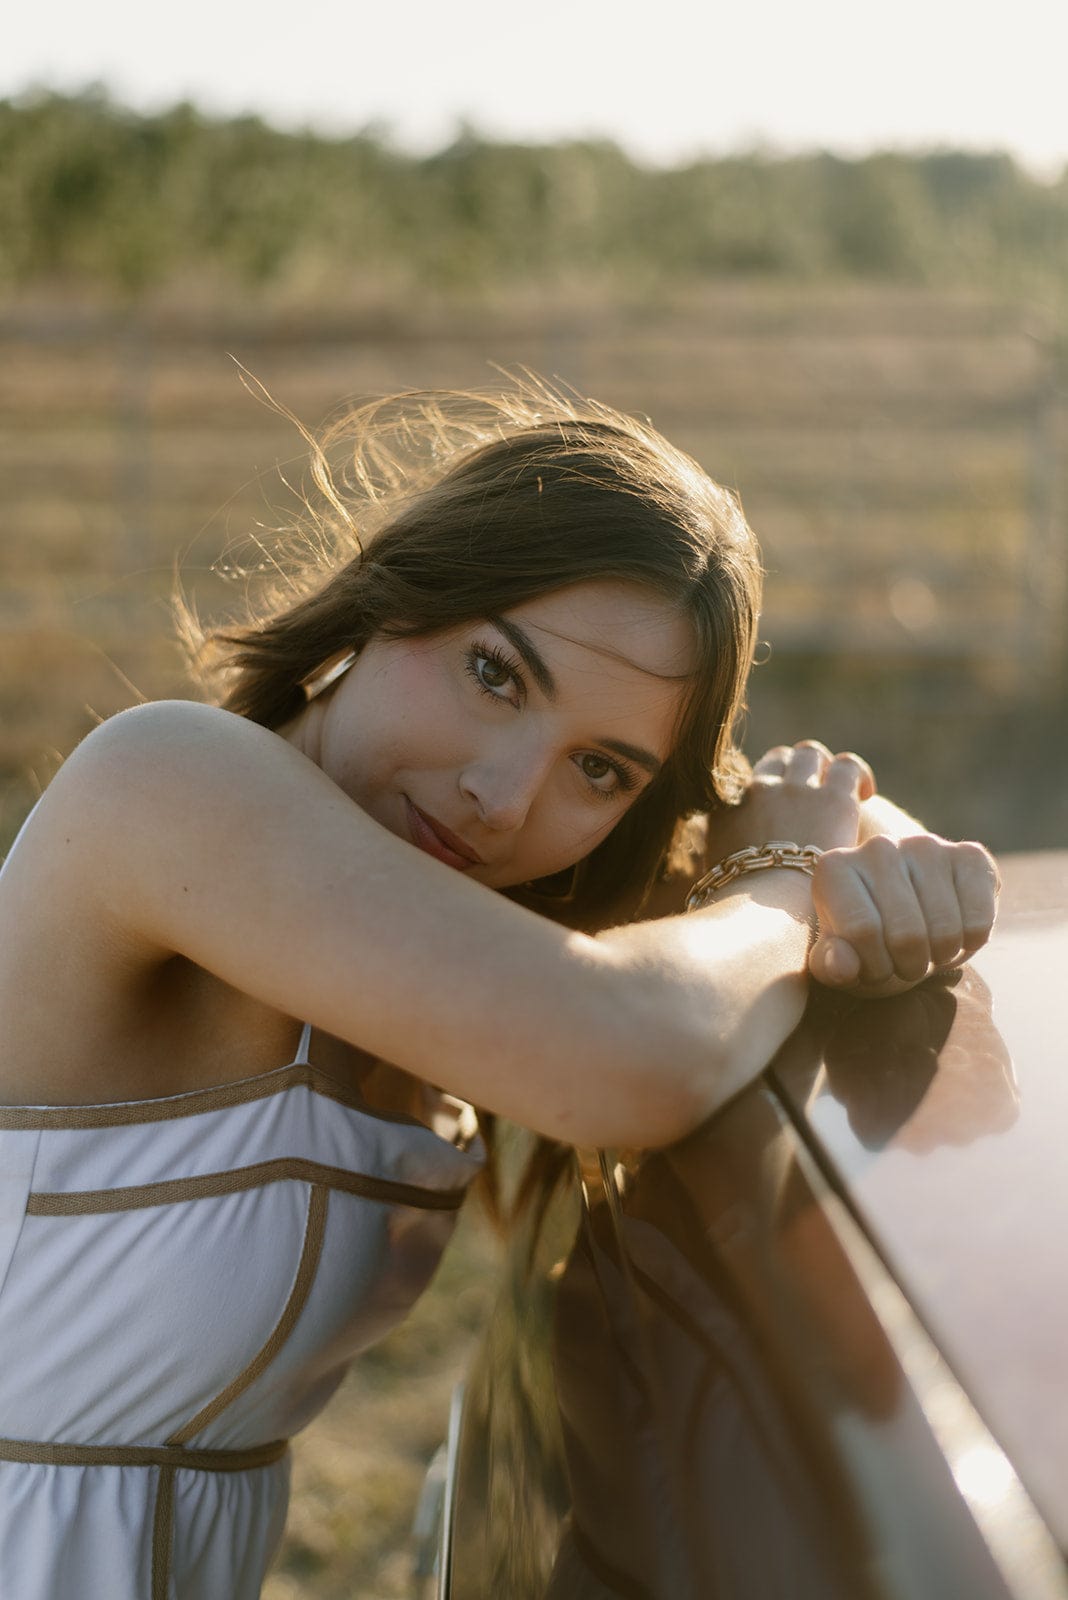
[
  {"x": 798, "y": 792},
  {"x": 892, "y": 910}
]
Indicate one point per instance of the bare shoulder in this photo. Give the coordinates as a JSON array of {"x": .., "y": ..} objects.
[
  {"x": 150, "y": 759},
  {"x": 161, "y": 736},
  {"x": 110, "y": 885},
  {"x": 173, "y": 769},
  {"x": 149, "y": 802}
]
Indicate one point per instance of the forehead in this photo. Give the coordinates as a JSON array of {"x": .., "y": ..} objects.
[{"x": 622, "y": 630}]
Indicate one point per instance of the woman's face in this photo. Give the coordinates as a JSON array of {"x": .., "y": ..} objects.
[{"x": 508, "y": 748}]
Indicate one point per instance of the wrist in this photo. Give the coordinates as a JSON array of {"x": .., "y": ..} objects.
[
  {"x": 776, "y": 855},
  {"x": 880, "y": 817},
  {"x": 777, "y": 889}
]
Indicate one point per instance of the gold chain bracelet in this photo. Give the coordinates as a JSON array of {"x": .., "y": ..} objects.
[{"x": 754, "y": 858}]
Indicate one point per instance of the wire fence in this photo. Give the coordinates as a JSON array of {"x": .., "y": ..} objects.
[{"x": 900, "y": 454}]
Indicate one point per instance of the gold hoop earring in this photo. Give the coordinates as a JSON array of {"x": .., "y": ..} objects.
[{"x": 332, "y": 669}]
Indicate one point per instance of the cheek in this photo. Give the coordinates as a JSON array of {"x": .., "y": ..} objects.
[
  {"x": 424, "y": 711},
  {"x": 567, "y": 833}
]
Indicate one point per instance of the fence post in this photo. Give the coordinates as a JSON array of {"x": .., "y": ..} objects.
[{"x": 134, "y": 475}]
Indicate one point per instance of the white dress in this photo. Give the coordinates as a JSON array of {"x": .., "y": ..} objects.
[{"x": 183, "y": 1282}]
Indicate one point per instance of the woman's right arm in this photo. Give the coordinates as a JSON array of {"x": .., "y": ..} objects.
[{"x": 181, "y": 829}]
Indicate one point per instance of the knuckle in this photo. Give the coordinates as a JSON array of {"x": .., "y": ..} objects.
[
  {"x": 975, "y": 933},
  {"x": 945, "y": 928},
  {"x": 846, "y": 758},
  {"x": 904, "y": 932},
  {"x": 972, "y": 857},
  {"x": 910, "y": 957},
  {"x": 946, "y": 943},
  {"x": 858, "y": 927},
  {"x": 877, "y": 967},
  {"x": 834, "y": 866},
  {"x": 923, "y": 847},
  {"x": 879, "y": 849}
]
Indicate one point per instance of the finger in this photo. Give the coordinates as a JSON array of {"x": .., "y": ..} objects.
[
  {"x": 884, "y": 866},
  {"x": 865, "y": 895},
  {"x": 806, "y": 762},
  {"x": 929, "y": 863},
  {"x": 846, "y": 761},
  {"x": 978, "y": 883},
  {"x": 846, "y": 911},
  {"x": 772, "y": 763},
  {"x": 850, "y": 773},
  {"x": 834, "y": 962}
]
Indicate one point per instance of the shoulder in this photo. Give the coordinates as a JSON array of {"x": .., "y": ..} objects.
[
  {"x": 157, "y": 783},
  {"x": 161, "y": 756},
  {"x": 180, "y": 827},
  {"x": 160, "y": 730}
]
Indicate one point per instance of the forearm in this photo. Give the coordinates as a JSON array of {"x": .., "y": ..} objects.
[
  {"x": 881, "y": 817},
  {"x": 721, "y": 988}
]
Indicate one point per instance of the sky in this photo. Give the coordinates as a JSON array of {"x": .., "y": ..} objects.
[{"x": 666, "y": 79}]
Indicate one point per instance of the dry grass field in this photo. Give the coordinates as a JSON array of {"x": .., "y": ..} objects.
[{"x": 899, "y": 453}]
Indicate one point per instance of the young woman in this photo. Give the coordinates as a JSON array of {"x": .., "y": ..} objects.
[{"x": 444, "y": 819}]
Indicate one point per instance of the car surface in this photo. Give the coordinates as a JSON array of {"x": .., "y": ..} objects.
[{"x": 817, "y": 1350}]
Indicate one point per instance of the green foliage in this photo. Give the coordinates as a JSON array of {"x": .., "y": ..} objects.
[{"x": 94, "y": 194}]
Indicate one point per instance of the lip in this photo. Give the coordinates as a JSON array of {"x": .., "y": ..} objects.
[{"x": 438, "y": 840}]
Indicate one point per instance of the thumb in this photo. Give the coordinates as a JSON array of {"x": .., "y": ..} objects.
[{"x": 834, "y": 962}]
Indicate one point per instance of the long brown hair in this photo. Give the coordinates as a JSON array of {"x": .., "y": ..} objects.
[{"x": 429, "y": 510}]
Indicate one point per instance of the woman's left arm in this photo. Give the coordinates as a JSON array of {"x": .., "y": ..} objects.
[{"x": 900, "y": 903}]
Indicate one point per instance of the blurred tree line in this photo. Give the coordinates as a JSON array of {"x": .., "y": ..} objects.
[{"x": 94, "y": 194}]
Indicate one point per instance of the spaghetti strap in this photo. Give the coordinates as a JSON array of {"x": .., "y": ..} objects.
[{"x": 301, "y": 1058}]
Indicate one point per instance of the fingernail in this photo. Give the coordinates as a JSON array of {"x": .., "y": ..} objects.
[{"x": 832, "y": 965}]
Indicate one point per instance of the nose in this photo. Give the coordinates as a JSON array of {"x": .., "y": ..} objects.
[{"x": 504, "y": 783}]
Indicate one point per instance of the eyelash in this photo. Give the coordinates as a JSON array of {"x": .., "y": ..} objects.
[
  {"x": 625, "y": 782},
  {"x": 493, "y": 654},
  {"x": 626, "y": 779}
]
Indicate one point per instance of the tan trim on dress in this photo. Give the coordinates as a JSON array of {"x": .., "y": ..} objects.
[
  {"x": 309, "y": 1260},
  {"x": 37, "y": 1454},
  {"x": 174, "y": 1191},
  {"x": 163, "y": 1534},
  {"x": 128, "y": 1113}
]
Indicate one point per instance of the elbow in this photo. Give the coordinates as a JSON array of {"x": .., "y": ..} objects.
[
  {"x": 692, "y": 1084},
  {"x": 687, "y": 1068},
  {"x": 649, "y": 1116},
  {"x": 668, "y": 1048},
  {"x": 675, "y": 1117},
  {"x": 688, "y": 1086},
  {"x": 670, "y": 1090}
]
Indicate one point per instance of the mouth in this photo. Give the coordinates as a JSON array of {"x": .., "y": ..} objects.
[{"x": 437, "y": 840}]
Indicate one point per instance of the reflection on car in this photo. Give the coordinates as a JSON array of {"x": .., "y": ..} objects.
[{"x": 816, "y": 1351}]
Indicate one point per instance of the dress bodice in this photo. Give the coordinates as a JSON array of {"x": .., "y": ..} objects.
[{"x": 183, "y": 1282}]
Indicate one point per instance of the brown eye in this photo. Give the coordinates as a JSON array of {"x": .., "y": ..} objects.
[
  {"x": 595, "y": 766},
  {"x": 607, "y": 779},
  {"x": 494, "y": 674}
]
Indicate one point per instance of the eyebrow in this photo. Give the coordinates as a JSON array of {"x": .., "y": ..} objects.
[
  {"x": 634, "y": 752},
  {"x": 536, "y": 665},
  {"x": 532, "y": 659}
]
